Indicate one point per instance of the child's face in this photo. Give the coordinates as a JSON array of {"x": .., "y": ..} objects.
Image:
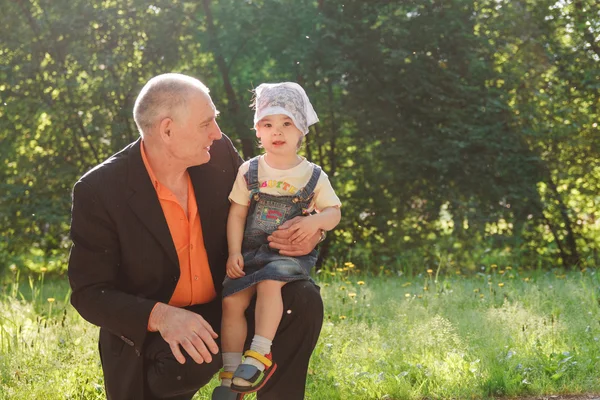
[{"x": 278, "y": 134}]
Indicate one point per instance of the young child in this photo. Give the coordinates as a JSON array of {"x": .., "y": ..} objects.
[{"x": 269, "y": 190}]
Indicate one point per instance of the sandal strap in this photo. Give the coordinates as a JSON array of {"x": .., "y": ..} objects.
[
  {"x": 251, "y": 353},
  {"x": 225, "y": 375}
]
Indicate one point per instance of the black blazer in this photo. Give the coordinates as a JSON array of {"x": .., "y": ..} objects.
[{"x": 123, "y": 259}]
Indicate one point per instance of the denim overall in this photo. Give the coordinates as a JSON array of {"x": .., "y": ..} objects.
[{"x": 265, "y": 214}]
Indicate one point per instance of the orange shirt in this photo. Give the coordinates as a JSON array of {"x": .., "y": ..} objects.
[{"x": 195, "y": 284}]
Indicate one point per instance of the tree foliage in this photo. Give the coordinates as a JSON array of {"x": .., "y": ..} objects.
[{"x": 465, "y": 128}]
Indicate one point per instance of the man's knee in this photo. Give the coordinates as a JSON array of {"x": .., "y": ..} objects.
[{"x": 166, "y": 377}]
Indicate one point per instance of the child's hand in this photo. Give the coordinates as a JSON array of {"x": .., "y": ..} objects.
[
  {"x": 235, "y": 266},
  {"x": 303, "y": 230}
]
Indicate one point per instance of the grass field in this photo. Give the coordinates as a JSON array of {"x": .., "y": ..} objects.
[{"x": 498, "y": 333}]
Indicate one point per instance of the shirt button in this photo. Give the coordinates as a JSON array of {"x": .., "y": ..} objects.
[
  {"x": 191, "y": 247},
  {"x": 196, "y": 277}
]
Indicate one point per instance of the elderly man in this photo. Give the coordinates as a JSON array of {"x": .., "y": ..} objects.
[{"x": 149, "y": 253}]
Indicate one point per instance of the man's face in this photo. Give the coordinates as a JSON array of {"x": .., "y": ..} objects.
[{"x": 194, "y": 130}]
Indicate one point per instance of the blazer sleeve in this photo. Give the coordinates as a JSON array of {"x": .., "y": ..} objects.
[{"x": 94, "y": 272}]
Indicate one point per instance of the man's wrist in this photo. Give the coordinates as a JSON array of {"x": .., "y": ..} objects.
[{"x": 323, "y": 236}]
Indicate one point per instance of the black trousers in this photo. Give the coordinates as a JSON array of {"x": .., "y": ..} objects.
[{"x": 293, "y": 345}]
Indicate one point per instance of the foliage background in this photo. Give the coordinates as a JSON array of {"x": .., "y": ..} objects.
[{"x": 456, "y": 130}]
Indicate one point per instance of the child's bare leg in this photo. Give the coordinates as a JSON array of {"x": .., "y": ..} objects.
[
  {"x": 269, "y": 309},
  {"x": 234, "y": 329}
]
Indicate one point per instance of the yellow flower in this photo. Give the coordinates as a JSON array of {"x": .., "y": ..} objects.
[
  {"x": 501, "y": 271},
  {"x": 360, "y": 283},
  {"x": 430, "y": 271},
  {"x": 370, "y": 350},
  {"x": 508, "y": 267},
  {"x": 526, "y": 279},
  {"x": 51, "y": 299},
  {"x": 420, "y": 296},
  {"x": 43, "y": 269},
  {"x": 343, "y": 288},
  {"x": 326, "y": 284},
  {"x": 352, "y": 295},
  {"x": 493, "y": 266},
  {"x": 481, "y": 296},
  {"x": 476, "y": 290},
  {"x": 407, "y": 295},
  {"x": 458, "y": 272},
  {"x": 425, "y": 288},
  {"x": 332, "y": 273},
  {"x": 342, "y": 317},
  {"x": 501, "y": 284},
  {"x": 339, "y": 269},
  {"x": 349, "y": 265},
  {"x": 12, "y": 267}
]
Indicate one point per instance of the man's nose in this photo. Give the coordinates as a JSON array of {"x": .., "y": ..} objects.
[{"x": 216, "y": 133}]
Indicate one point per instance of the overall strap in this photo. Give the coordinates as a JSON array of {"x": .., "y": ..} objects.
[
  {"x": 307, "y": 191},
  {"x": 252, "y": 176}
]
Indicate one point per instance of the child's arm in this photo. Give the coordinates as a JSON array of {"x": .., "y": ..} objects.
[
  {"x": 235, "y": 235},
  {"x": 325, "y": 220}
]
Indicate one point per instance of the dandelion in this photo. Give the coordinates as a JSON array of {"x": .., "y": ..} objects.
[
  {"x": 339, "y": 269},
  {"x": 476, "y": 290},
  {"x": 425, "y": 288},
  {"x": 430, "y": 271},
  {"x": 407, "y": 295},
  {"x": 51, "y": 299},
  {"x": 332, "y": 273},
  {"x": 501, "y": 284},
  {"x": 526, "y": 279},
  {"x": 420, "y": 296},
  {"x": 342, "y": 317},
  {"x": 360, "y": 283},
  {"x": 349, "y": 264},
  {"x": 493, "y": 266},
  {"x": 326, "y": 284},
  {"x": 458, "y": 272},
  {"x": 370, "y": 350},
  {"x": 501, "y": 271},
  {"x": 343, "y": 288},
  {"x": 12, "y": 267},
  {"x": 352, "y": 295},
  {"x": 481, "y": 296},
  {"x": 508, "y": 267},
  {"x": 43, "y": 269}
]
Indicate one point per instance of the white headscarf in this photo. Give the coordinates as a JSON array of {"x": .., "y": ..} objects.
[{"x": 286, "y": 98}]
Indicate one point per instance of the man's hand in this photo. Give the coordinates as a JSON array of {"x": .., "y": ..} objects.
[
  {"x": 281, "y": 239},
  {"x": 235, "y": 266},
  {"x": 180, "y": 327}
]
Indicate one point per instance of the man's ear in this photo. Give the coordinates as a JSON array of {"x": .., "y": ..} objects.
[{"x": 165, "y": 129}]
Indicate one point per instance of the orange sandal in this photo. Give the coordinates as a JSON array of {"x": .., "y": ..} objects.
[{"x": 255, "y": 377}]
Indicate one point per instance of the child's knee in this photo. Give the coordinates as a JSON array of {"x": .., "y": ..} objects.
[{"x": 235, "y": 303}]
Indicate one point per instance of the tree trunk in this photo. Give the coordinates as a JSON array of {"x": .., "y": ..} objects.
[{"x": 234, "y": 106}]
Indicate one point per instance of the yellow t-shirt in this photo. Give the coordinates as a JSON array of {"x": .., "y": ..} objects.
[{"x": 285, "y": 182}]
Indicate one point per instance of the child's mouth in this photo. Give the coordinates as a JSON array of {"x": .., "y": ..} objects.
[{"x": 278, "y": 143}]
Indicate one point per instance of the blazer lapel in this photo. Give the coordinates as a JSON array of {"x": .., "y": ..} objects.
[
  {"x": 145, "y": 204},
  {"x": 203, "y": 179}
]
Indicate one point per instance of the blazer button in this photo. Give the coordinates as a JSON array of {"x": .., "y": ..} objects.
[{"x": 174, "y": 278}]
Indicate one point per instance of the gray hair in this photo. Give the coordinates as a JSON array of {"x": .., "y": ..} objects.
[{"x": 163, "y": 96}]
